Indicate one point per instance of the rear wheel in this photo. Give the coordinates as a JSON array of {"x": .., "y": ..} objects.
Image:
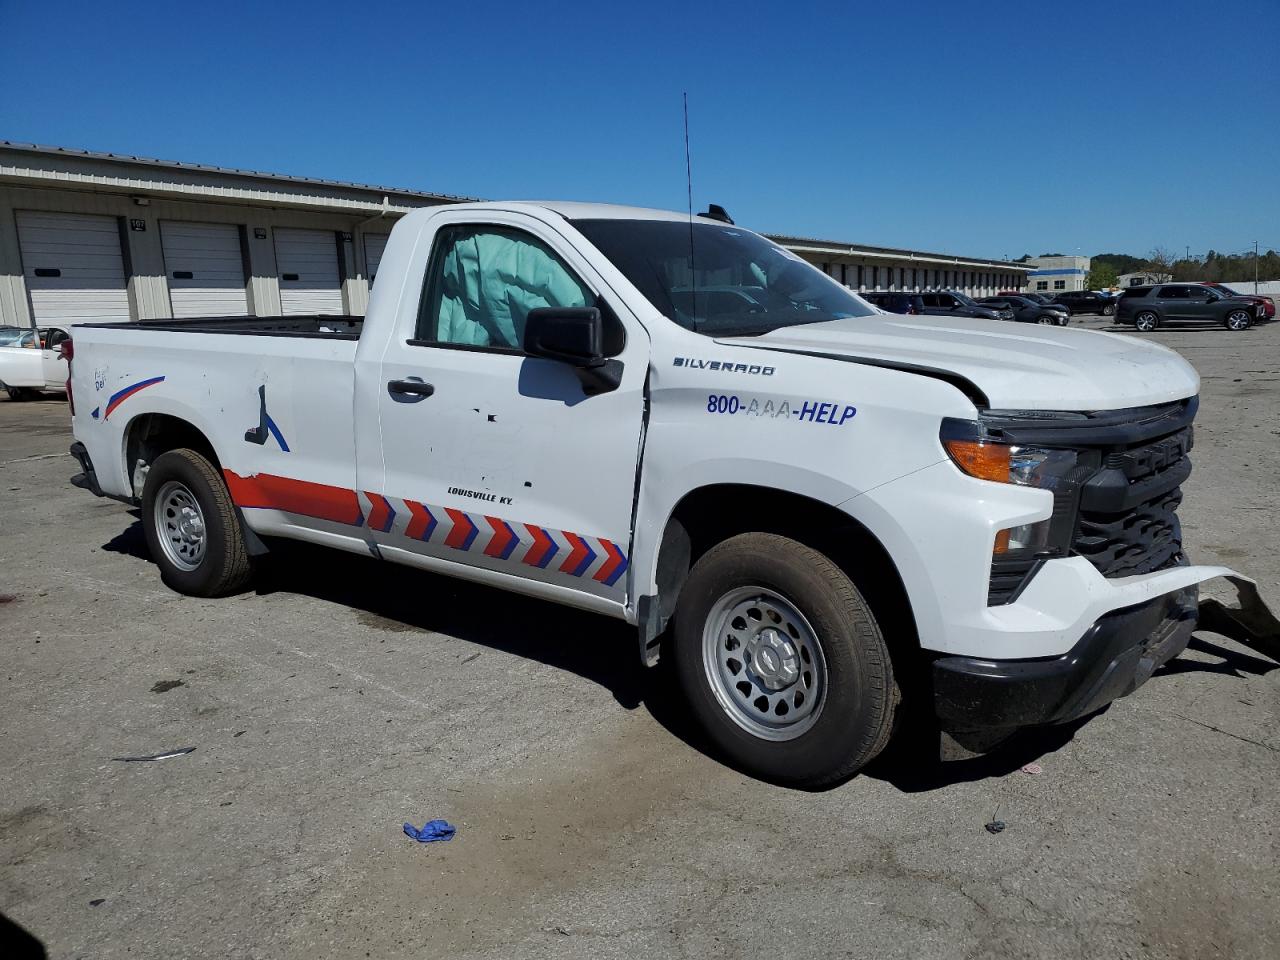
[
  {"x": 18, "y": 393},
  {"x": 782, "y": 661},
  {"x": 1109, "y": 310},
  {"x": 1146, "y": 321},
  {"x": 192, "y": 527},
  {"x": 1238, "y": 320}
]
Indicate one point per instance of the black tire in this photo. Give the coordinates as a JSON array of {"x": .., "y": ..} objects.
[
  {"x": 225, "y": 566},
  {"x": 855, "y": 717},
  {"x": 1109, "y": 310},
  {"x": 1146, "y": 321},
  {"x": 1237, "y": 320},
  {"x": 17, "y": 394}
]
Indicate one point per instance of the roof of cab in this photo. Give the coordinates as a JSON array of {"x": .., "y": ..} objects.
[{"x": 575, "y": 210}]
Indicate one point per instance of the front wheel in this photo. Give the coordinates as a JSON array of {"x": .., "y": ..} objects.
[
  {"x": 782, "y": 661},
  {"x": 1146, "y": 321},
  {"x": 1238, "y": 320},
  {"x": 1109, "y": 310},
  {"x": 191, "y": 526},
  {"x": 1047, "y": 319}
]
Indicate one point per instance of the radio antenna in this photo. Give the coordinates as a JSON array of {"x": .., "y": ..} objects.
[{"x": 688, "y": 179}]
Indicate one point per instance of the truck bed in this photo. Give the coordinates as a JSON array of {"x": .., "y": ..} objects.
[{"x": 314, "y": 326}]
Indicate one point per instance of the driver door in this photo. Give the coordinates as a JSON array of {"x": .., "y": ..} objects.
[{"x": 494, "y": 460}]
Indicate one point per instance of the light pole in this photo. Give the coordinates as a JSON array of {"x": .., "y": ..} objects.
[{"x": 1255, "y": 267}]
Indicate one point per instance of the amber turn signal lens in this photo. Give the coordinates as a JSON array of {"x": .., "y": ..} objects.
[
  {"x": 986, "y": 461},
  {"x": 1002, "y": 542}
]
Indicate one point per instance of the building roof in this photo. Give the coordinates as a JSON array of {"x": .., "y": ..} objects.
[
  {"x": 120, "y": 158},
  {"x": 70, "y": 167}
]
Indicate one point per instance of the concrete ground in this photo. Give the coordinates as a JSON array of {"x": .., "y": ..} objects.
[{"x": 343, "y": 698}]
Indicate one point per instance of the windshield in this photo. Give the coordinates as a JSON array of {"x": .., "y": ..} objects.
[{"x": 740, "y": 284}]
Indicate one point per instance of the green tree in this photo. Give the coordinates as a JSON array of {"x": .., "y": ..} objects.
[{"x": 1101, "y": 276}]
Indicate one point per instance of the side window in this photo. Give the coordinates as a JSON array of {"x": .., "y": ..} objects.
[
  {"x": 1173, "y": 293},
  {"x": 930, "y": 300},
  {"x": 54, "y": 339},
  {"x": 482, "y": 282}
]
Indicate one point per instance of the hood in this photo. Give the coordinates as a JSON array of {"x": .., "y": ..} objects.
[{"x": 1015, "y": 367}]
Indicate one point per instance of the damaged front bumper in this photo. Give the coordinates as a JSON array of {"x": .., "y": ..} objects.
[{"x": 1115, "y": 656}]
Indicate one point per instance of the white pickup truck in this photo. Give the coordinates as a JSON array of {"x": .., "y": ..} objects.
[{"x": 831, "y": 513}]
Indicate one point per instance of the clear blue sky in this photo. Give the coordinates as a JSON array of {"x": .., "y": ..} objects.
[{"x": 981, "y": 128}]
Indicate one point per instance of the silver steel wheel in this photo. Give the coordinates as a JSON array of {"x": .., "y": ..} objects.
[
  {"x": 1108, "y": 310},
  {"x": 764, "y": 663},
  {"x": 180, "y": 525},
  {"x": 1047, "y": 318},
  {"x": 1237, "y": 320},
  {"x": 1146, "y": 322}
]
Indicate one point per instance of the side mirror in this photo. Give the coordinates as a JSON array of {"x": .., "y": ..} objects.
[{"x": 574, "y": 336}]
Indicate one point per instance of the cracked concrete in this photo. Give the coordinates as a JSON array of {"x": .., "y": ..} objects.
[{"x": 342, "y": 698}]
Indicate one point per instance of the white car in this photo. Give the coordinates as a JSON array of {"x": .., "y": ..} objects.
[
  {"x": 833, "y": 514},
  {"x": 31, "y": 360}
]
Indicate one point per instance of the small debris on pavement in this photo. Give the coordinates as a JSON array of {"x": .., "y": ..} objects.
[
  {"x": 431, "y": 831},
  {"x": 164, "y": 686},
  {"x": 180, "y": 751},
  {"x": 97, "y": 903},
  {"x": 1032, "y": 768},
  {"x": 474, "y": 656},
  {"x": 995, "y": 826}
]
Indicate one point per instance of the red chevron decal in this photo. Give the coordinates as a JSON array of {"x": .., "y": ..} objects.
[
  {"x": 421, "y": 523},
  {"x": 543, "y": 548},
  {"x": 613, "y": 566},
  {"x": 464, "y": 530},
  {"x": 382, "y": 515},
  {"x": 503, "y": 541},
  {"x": 577, "y": 556}
]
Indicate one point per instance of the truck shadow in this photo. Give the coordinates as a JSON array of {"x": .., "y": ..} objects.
[{"x": 404, "y": 600}]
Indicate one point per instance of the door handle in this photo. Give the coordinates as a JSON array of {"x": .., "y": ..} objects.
[{"x": 409, "y": 390}]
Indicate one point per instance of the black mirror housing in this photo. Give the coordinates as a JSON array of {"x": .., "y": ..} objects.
[{"x": 574, "y": 336}]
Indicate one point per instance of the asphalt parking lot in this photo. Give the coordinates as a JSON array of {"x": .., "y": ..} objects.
[{"x": 342, "y": 698}]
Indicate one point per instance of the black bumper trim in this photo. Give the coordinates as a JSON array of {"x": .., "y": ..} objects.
[
  {"x": 1114, "y": 657},
  {"x": 88, "y": 478}
]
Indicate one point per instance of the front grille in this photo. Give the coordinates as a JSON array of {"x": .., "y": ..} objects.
[
  {"x": 1141, "y": 540},
  {"x": 1128, "y": 511},
  {"x": 1125, "y": 519}
]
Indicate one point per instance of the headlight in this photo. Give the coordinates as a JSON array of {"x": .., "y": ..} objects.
[{"x": 1060, "y": 471}]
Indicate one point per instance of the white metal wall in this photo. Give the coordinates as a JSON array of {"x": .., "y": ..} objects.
[
  {"x": 204, "y": 264},
  {"x": 72, "y": 266}
]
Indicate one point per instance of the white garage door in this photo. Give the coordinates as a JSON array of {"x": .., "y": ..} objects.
[
  {"x": 307, "y": 261},
  {"x": 374, "y": 244},
  {"x": 205, "y": 269},
  {"x": 72, "y": 266}
]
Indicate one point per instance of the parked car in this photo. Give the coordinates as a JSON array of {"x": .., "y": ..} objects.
[
  {"x": 945, "y": 303},
  {"x": 1155, "y": 305},
  {"x": 1086, "y": 301},
  {"x": 1268, "y": 305},
  {"x": 29, "y": 365},
  {"x": 1039, "y": 298},
  {"x": 760, "y": 485},
  {"x": 1026, "y": 310}
]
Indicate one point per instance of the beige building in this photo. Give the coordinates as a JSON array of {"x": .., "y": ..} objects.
[
  {"x": 1050, "y": 275},
  {"x": 95, "y": 236}
]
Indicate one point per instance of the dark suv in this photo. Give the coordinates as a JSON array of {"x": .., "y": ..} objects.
[
  {"x": 944, "y": 303},
  {"x": 1149, "y": 307},
  {"x": 1086, "y": 301}
]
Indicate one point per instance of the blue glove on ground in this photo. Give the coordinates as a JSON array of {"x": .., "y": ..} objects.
[{"x": 431, "y": 830}]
